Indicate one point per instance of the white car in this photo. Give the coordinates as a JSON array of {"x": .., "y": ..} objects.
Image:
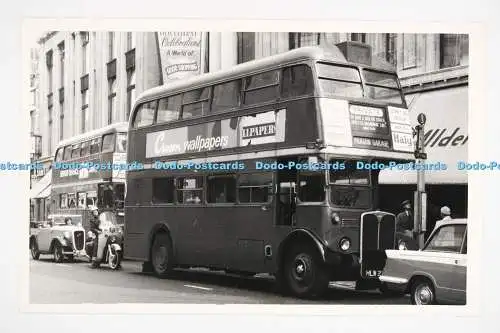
[
  {"x": 435, "y": 274},
  {"x": 59, "y": 238}
]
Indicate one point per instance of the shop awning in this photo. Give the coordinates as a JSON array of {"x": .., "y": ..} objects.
[
  {"x": 41, "y": 189},
  {"x": 446, "y": 136}
]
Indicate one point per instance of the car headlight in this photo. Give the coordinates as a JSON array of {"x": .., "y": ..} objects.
[
  {"x": 345, "y": 244},
  {"x": 67, "y": 235},
  {"x": 402, "y": 245}
]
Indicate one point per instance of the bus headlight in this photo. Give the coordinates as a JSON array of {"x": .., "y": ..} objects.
[
  {"x": 345, "y": 244},
  {"x": 402, "y": 245}
]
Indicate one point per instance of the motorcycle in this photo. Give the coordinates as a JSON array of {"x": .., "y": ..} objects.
[{"x": 109, "y": 245}]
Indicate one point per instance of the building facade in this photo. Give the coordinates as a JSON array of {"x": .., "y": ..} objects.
[{"x": 90, "y": 79}]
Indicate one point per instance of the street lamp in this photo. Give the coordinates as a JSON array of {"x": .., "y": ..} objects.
[{"x": 420, "y": 197}]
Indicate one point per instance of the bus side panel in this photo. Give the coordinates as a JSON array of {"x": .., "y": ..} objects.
[
  {"x": 301, "y": 121},
  {"x": 250, "y": 230}
]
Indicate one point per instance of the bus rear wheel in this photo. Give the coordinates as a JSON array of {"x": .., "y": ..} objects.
[
  {"x": 304, "y": 272},
  {"x": 161, "y": 255}
]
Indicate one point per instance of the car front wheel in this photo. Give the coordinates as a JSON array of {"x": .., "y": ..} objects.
[
  {"x": 422, "y": 293},
  {"x": 57, "y": 253},
  {"x": 35, "y": 253}
]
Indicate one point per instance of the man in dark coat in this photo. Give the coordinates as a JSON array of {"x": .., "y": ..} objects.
[
  {"x": 404, "y": 220},
  {"x": 94, "y": 228}
]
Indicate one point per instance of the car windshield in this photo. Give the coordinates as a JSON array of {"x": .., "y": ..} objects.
[
  {"x": 448, "y": 238},
  {"x": 65, "y": 219}
]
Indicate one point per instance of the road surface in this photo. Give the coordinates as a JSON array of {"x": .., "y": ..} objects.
[{"x": 76, "y": 283}]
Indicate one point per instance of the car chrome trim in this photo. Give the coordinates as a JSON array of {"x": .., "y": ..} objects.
[{"x": 393, "y": 279}]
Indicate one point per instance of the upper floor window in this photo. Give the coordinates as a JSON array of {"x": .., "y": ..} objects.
[{"x": 454, "y": 50}]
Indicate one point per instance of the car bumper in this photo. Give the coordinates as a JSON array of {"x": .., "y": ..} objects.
[{"x": 76, "y": 253}]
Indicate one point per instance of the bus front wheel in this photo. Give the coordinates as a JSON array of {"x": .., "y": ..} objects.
[
  {"x": 304, "y": 272},
  {"x": 161, "y": 255}
]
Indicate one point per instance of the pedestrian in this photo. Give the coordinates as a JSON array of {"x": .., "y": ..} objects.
[
  {"x": 404, "y": 220},
  {"x": 94, "y": 228},
  {"x": 445, "y": 216}
]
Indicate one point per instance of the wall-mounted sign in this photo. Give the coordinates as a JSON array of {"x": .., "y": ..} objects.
[{"x": 182, "y": 54}]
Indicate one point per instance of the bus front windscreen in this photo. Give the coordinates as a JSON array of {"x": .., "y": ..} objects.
[
  {"x": 121, "y": 143},
  {"x": 339, "y": 81},
  {"x": 345, "y": 81},
  {"x": 382, "y": 86},
  {"x": 350, "y": 187}
]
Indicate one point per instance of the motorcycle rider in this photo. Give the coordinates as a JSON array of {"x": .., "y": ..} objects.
[{"x": 94, "y": 228}]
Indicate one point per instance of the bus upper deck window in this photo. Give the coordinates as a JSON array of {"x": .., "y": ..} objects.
[
  {"x": 108, "y": 143},
  {"x": 95, "y": 146},
  {"x": 195, "y": 103},
  {"x": 85, "y": 149},
  {"x": 297, "y": 81},
  {"x": 75, "y": 151},
  {"x": 226, "y": 96},
  {"x": 59, "y": 154},
  {"x": 145, "y": 114},
  {"x": 261, "y": 88},
  {"x": 169, "y": 109},
  {"x": 67, "y": 153}
]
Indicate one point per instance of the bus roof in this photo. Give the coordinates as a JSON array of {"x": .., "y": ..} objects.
[
  {"x": 118, "y": 127},
  {"x": 330, "y": 53}
]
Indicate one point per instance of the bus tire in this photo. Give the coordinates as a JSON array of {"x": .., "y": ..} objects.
[
  {"x": 162, "y": 255},
  {"x": 304, "y": 273}
]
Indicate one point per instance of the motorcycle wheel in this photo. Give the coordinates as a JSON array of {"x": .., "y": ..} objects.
[{"x": 114, "y": 260}]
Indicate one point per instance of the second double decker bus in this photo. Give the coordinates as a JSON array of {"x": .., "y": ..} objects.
[
  {"x": 255, "y": 169},
  {"x": 76, "y": 186}
]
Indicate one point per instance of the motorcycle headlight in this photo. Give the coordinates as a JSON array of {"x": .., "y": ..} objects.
[
  {"x": 113, "y": 239},
  {"x": 402, "y": 245},
  {"x": 345, "y": 244}
]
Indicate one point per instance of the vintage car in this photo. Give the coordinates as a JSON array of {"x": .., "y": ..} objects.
[
  {"x": 435, "y": 274},
  {"x": 62, "y": 236}
]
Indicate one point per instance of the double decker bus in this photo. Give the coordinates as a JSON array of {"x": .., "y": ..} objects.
[
  {"x": 255, "y": 169},
  {"x": 76, "y": 186}
]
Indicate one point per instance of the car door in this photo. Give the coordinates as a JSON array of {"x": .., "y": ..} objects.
[
  {"x": 43, "y": 238},
  {"x": 443, "y": 255},
  {"x": 459, "y": 282}
]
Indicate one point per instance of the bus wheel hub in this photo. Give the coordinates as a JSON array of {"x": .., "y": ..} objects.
[{"x": 302, "y": 269}]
